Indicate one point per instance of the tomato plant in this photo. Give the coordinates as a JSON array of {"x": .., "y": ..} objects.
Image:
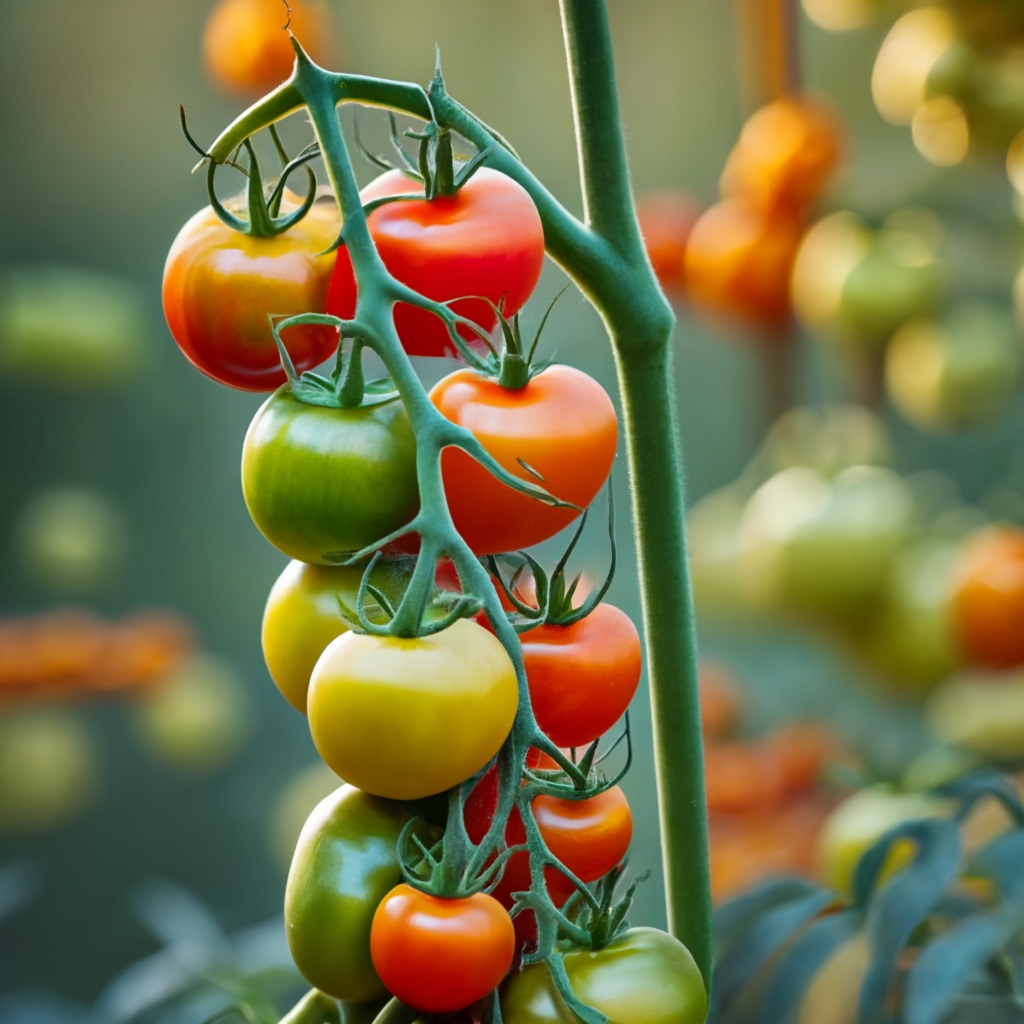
[
  {"x": 484, "y": 240},
  {"x": 988, "y": 601},
  {"x": 644, "y": 977},
  {"x": 517, "y": 426},
  {"x": 345, "y": 863},
  {"x": 221, "y": 285},
  {"x": 439, "y": 955},
  {"x": 582, "y": 676},
  {"x": 321, "y": 483},
  {"x": 405, "y": 718}
]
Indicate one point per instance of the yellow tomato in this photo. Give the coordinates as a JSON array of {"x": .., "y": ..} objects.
[
  {"x": 859, "y": 822},
  {"x": 405, "y": 718},
  {"x": 303, "y": 615}
]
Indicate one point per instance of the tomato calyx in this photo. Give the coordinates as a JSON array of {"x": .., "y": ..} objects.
[
  {"x": 264, "y": 208},
  {"x": 555, "y": 597},
  {"x": 346, "y": 388}
]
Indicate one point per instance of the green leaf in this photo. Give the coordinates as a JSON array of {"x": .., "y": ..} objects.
[
  {"x": 946, "y": 965},
  {"x": 904, "y": 902},
  {"x": 799, "y": 964},
  {"x": 768, "y": 933},
  {"x": 1001, "y": 861},
  {"x": 971, "y": 788},
  {"x": 986, "y": 1010},
  {"x": 735, "y": 916}
]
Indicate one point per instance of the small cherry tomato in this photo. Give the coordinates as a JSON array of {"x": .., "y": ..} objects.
[
  {"x": 644, "y": 977},
  {"x": 320, "y": 482},
  {"x": 220, "y": 286},
  {"x": 739, "y": 259},
  {"x": 588, "y": 836},
  {"x": 408, "y": 718},
  {"x": 785, "y": 152},
  {"x": 988, "y": 601},
  {"x": 802, "y": 750},
  {"x": 439, "y": 955},
  {"x": 484, "y": 240},
  {"x": 720, "y": 702},
  {"x": 246, "y": 48},
  {"x": 562, "y": 424},
  {"x": 582, "y": 677},
  {"x": 666, "y": 220},
  {"x": 345, "y": 863}
]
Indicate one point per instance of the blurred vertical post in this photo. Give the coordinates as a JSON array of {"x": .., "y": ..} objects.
[{"x": 768, "y": 58}]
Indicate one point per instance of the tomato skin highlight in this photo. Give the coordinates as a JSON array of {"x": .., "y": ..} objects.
[
  {"x": 582, "y": 677},
  {"x": 409, "y": 718},
  {"x": 345, "y": 863},
  {"x": 485, "y": 240},
  {"x": 440, "y": 955},
  {"x": 220, "y": 285},
  {"x": 562, "y": 424},
  {"x": 245, "y": 47},
  {"x": 644, "y": 977},
  {"x": 988, "y": 601},
  {"x": 319, "y": 482}
]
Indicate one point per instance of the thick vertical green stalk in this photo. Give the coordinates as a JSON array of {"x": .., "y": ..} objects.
[{"x": 640, "y": 324}]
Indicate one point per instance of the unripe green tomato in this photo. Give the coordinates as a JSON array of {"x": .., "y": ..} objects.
[
  {"x": 321, "y": 483},
  {"x": 643, "y": 977},
  {"x": 982, "y": 713},
  {"x": 913, "y": 640},
  {"x": 345, "y": 863},
  {"x": 305, "y": 612},
  {"x": 859, "y": 822},
  {"x": 823, "y": 545},
  {"x": 881, "y": 294},
  {"x": 958, "y": 373}
]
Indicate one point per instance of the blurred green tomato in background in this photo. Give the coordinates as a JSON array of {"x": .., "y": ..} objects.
[
  {"x": 912, "y": 640},
  {"x": 824, "y": 545},
  {"x": 48, "y": 769},
  {"x": 70, "y": 540},
  {"x": 859, "y": 286},
  {"x": 198, "y": 718},
  {"x": 981, "y": 713},
  {"x": 75, "y": 327},
  {"x": 859, "y": 822},
  {"x": 959, "y": 372}
]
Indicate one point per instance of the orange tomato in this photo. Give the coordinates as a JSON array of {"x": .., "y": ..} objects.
[
  {"x": 785, "y": 152},
  {"x": 246, "y": 48},
  {"x": 742, "y": 778},
  {"x": 739, "y": 260},
  {"x": 562, "y": 424},
  {"x": 439, "y": 955},
  {"x": 988, "y": 599},
  {"x": 666, "y": 220},
  {"x": 801, "y": 750}
]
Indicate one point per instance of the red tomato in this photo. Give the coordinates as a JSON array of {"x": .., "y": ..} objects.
[
  {"x": 742, "y": 778},
  {"x": 588, "y": 836},
  {"x": 486, "y": 240},
  {"x": 582, "y": 677},
  {"x": 246, "y": 49},
  {"x": 220, "y": 285},
  {"x": 786, "y": 151},
  {"x": 988, "y": 600},
  {"x": 666, "y": 220},
  {"x": 562, "y": 424},
  {"x": 439, "y": 955},
  {"x": 739, "y": 260}
]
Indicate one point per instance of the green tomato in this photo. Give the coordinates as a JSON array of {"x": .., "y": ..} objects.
[
  {"x": 345, "y": 863},
  {"x": 305, "y": 612},
  {"x": 881, "y": 294},
  {"x": 958, "y": 373},
  {"x": 644, "y": 977},
  {"x": 321, "y": 483}
]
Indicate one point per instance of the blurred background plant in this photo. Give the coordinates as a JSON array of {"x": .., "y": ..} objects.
[{"x": 848, "y": 369}]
